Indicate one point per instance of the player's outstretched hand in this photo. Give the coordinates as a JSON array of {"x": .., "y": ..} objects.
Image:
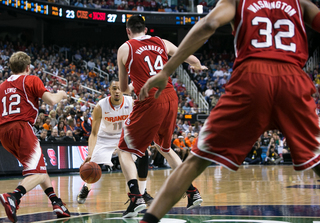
[
  {"x": 88, "y": 158},
  {"x": 159, "y": 81},
  {"x": 64, "y": 94},
  {"x": 199, "y": 68}
]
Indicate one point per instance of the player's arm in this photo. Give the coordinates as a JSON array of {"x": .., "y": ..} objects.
[
  {"x": 96, "y": 120},
  {"x": 192, "y": 60},
  {"x": 122, "y": 56},
  {"x": 129, "y": 89},
  {"x": 223, "y": 13},
  {"x": 311, "y": 14},
  {"x": 53, "y": 98}
]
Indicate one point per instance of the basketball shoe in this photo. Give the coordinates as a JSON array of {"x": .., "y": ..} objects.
[
  {"x": 147, "y": 198},
  {"x": 83, "y": 194},
  {"x": 60, "y": 209},
  {"x": 11, "y": 205},
  {"x": 194, "y": 199},
  {"x": 137, "y": 204}
]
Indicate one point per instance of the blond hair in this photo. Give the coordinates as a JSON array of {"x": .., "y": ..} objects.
[{"x": 19, "y": 62}]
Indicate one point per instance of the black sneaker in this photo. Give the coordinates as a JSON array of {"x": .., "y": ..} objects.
[
  {"x": 11, "y": 205},
  {"x": 147, "y": 198},
  {"x": 83, "y": 194},
  {"x": 60, "y": 209},
  {"x": 137, "y": 204},
  {"x": 194, "y": 199}
]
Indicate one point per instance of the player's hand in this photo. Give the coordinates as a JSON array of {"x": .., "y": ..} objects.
[
  {"x": 199, "y": 68},
  {"x": 159, "y": 81},
  {"x": 64, "y": 94},
  {"x": 88, "y": 158}
]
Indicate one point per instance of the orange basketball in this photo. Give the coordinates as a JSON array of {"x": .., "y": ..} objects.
[{"x": 90, "y": 172}]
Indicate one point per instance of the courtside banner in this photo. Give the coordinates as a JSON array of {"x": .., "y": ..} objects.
[
  {"x": 58, "y": 158},
  {"x": 79, "y": 153}
]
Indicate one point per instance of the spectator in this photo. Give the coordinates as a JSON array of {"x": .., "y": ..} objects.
[
  {"x": 180, "y": 149},
  {"x": 218, "y": 72},
  {"x": 78, "y": 4},
  {"x": 71, "y": 125},
  {"x": 208, "y": 92},
  {"x": 223, "y": 81},
  {"x": 185, "y": 126},
  {"x": 272, "y": 156},
  {"x": 90, "y": 5},
  {"x": 37, "y": 127},
  {"x": 61, "y": 135},
  {"x": 54, "y": 136},
  {"x": 69, "y": 137},
  {"x": 53, "y": 118},
  {"x": 265, "y": 139},
  {"x": 61, "y": 126},
  {"x": 186, "y": 108},
  {"x": 43, "y": 136},
  {"x": 86, "y": 128},
  {"x": 47, "y": 125},
  {"x": 254, "y": 157},
  {"x": 196, "y": 127}
]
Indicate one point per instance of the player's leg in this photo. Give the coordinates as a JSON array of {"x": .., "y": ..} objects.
[
  {"x": 129, "y": 171},
  {"x": 194, "y": 197},
  {"x": 174, "y": 187},
  {"x": 226, "y": 137},
  {"x": 85, "y": 189},
  {"x": 143, "y": 165},
  {"x": 58, "y": 206},
  {"x": 29, "y": 153},
  {"x": 102, "y": 154},
  {"x": 137, "y": 134},
  {"x": 296, "y": 117},
  {"x": 163, "y": 139}
]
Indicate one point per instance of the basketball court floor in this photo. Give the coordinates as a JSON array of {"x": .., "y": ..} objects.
[{"x": 258, "y": 194}]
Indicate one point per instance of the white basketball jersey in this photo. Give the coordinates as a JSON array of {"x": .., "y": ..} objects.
[{"x": 113, "y": 118}]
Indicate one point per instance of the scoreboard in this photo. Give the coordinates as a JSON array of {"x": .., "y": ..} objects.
[{"x": 99, "y": 15}]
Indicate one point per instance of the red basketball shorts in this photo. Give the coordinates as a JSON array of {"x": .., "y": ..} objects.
[
  {"x": 18, "y": 138},
  {"x": 262, "y": 95},
  {"x": 150, "y": 120}
]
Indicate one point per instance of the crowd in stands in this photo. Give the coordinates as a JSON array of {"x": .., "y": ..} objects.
[
  {"x": 270, "y": 148},
  {"x": 70, "y": 120}
]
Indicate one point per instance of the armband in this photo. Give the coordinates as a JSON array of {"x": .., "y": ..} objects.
[{"x": 316, "y": 23}]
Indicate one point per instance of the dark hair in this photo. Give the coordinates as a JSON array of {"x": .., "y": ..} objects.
[
  {"x": 114, "y": 80},
  {"x": 136, "y": 24}
]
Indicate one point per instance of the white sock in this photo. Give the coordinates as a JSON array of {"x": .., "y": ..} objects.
[{"x": 142, "y": 186}]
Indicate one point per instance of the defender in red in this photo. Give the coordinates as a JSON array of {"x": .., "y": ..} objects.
[
  {"x": 19, "y": 96},
  {"x": 267, "y": 90},
  {"x": 142, "y": 57}
]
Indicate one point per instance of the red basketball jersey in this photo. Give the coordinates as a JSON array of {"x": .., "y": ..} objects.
[
  {"x": 19, "y": 96},
  {"x": 270, "y": 29},
  {"x": 147, "y": 56}
]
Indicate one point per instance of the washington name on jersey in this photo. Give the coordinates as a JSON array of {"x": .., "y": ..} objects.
[
  {"x": 112, "y": 117},
  {"x": 256, "y": 6}
]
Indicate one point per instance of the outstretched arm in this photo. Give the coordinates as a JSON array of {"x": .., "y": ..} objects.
[
  {"x": 223, "y": 13},
  {"x": 192, "y": 60}
]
